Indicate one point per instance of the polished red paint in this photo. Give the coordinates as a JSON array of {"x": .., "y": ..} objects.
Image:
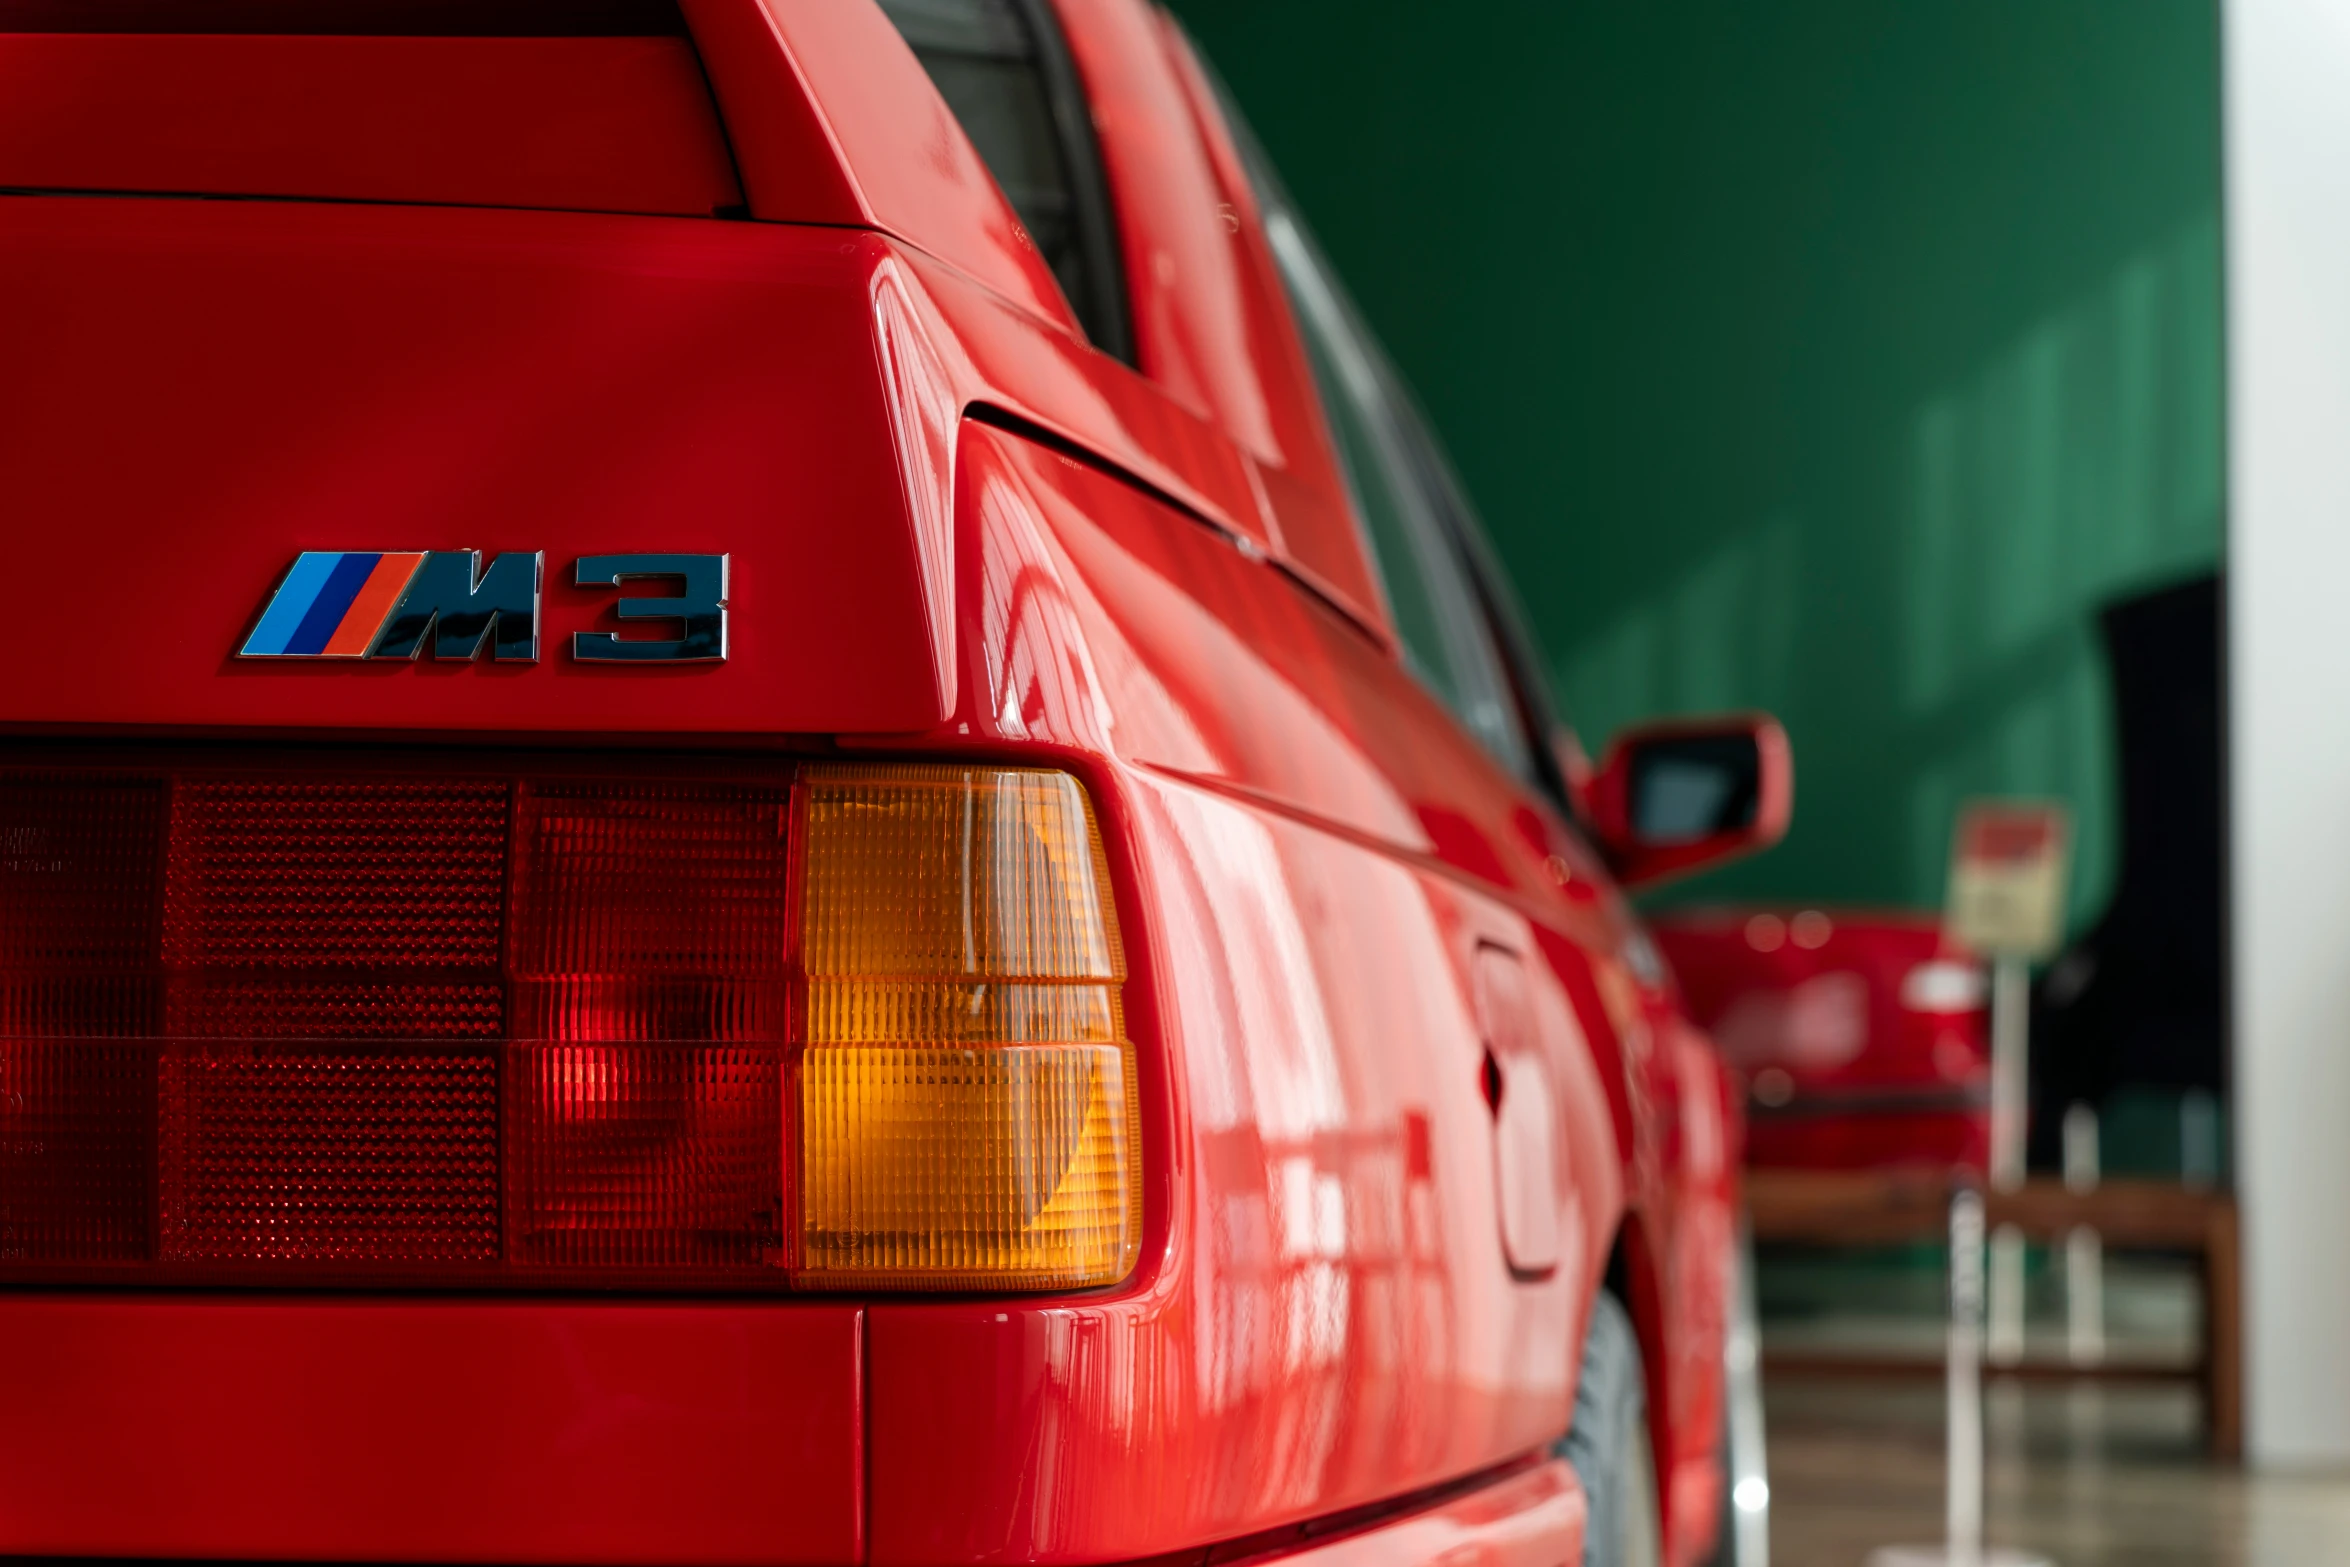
[
  {"x": 1296, "y": 467},
  {"x": 430, "y": 1430},
  {"x": 904, "y": 165},
  {"x": 500, "y": 381},
  {"x": 1820, "y": 1012},
  {"x": 790, "y": 169},
  {"x": 1331, "y": 1318},
  {"x": 609, "y": 124},
  {"x": 957, "y": 531},
  {"x": 1516, "y": 1520},
  {"x": 1211, "y": 323}
]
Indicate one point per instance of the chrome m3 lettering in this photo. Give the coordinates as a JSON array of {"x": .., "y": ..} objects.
[{"x": 401, "y": 604}]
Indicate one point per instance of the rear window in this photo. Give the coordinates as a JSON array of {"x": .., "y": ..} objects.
[
  {"x": 590, "y": 107},
  {"x": 1004, "y": 69}
]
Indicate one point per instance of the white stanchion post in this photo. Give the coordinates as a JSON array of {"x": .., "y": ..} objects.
[
  {"x": 1963, "y": 1506},
  {"x": 2003, "y": 1338},
  {"x": 2007, "y": 873},
  {"x": 2084, "y": 1249},
  {"x": 2198, "y": 1139},
  {"x": 2011, "y": 1069},
  {"x": 1963, "y": 1384},
  {"x": 1748, "y": 1527},
  {"x": 2011, "y": 1018}
]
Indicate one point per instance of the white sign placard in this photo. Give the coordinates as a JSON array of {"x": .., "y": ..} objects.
[{"x": 2008, "y": 863}]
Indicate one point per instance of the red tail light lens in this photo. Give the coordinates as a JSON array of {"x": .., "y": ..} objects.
[
  {"x": 77, "y": 1152},
  {"x": 81, "y": 875},
  {"x": 324, "y": 909},
  {"x": 81, "y": 878},
  {"x": 282, "y": 1025},
  {"x": 646, "y": 916},
  {"x": 650, "y": 1156},
  {"x": 652, "y": 911},
  {"x": 295, "y": 1154}
]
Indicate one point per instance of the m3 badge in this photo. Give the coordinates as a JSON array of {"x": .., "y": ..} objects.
[{"x": 397, "y": 604}]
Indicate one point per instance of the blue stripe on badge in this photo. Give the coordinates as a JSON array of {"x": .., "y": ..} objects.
[
  {"x": 291, "y": 603},
  {"x": 326, "y": 612}
]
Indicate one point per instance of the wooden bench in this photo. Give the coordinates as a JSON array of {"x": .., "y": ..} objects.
[{"x": 1866, "y": 1208}]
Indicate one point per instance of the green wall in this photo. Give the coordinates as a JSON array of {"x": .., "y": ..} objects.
[{"x": 1831, "y": 356}]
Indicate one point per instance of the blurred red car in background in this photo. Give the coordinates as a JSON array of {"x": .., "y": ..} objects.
[{"x": 1863, "y": 1035}]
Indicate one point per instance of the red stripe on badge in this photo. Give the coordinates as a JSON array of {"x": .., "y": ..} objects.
[{"x": 377, "y": 595}]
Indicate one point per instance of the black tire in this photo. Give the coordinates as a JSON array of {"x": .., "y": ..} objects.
[{"x": 1609, "y": 1444}]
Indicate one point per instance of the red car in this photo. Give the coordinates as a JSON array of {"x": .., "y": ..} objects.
[
  {"x": 1863, "y": 1035},
  {"x": 763, "y": 804}
]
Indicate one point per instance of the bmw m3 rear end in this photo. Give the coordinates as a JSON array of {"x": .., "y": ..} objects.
[{"x": 734, "y": 829}]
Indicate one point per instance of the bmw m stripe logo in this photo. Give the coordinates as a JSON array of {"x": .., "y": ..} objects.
[
  {"x": 351, "y": 604},
  {"x": 401, "y": 604},
  {"x": 331, "y": 605}
]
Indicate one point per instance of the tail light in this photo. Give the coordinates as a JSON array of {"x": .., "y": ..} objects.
[
  {"x": 843, "y": 1028},
  {"x": 967, "y": 1093}
]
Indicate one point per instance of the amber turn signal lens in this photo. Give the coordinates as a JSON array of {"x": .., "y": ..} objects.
[{"x": 967, "y": 1098}]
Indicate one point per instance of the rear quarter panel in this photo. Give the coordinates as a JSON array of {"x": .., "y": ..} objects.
[{"x": 1324, "y": 1317}]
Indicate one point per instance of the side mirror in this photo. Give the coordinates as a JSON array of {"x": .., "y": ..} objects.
[{"x": 1670, "y": 798}]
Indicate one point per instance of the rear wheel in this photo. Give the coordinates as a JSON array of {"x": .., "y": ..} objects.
[{"x": 1609, "y": 1444}]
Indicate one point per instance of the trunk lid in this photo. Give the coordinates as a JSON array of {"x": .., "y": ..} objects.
[{"x": 197, "y": 392}]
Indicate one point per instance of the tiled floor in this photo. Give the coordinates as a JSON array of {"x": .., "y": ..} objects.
[{"x": 2090, "y": 1477}]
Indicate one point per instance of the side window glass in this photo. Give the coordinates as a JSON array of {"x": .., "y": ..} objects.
[
  {"x": 1385, "y": 505},
  {"x": 1504, "y": 619},
  {"x": 1438, "y": 615},
  {"x": 1005, "y": 70}
]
